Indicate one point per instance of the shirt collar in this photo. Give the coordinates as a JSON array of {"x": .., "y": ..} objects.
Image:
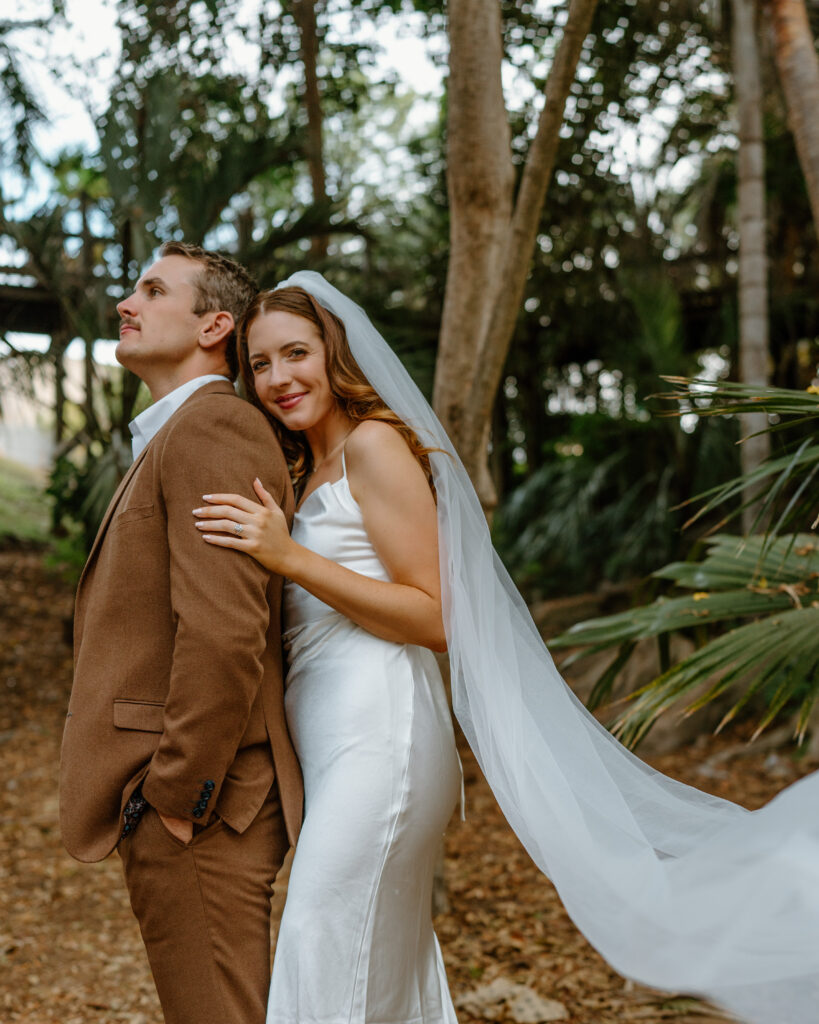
[{"x": 149, "y": 422}]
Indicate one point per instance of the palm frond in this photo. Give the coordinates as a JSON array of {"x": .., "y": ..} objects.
[
  {"x": 725, "y": 398},
  {"x": 775, "y": 586},
  {"x": 778, "y": 489},
  {"x": 780, "y": 652}
]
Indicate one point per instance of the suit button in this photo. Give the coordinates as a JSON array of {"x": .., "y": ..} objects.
[
  {"x": 205, "y": 794},
  {"x": 197, "y": 813},
  {"x": 210, "y": 784},
  {"x": 202, "y": 805}
]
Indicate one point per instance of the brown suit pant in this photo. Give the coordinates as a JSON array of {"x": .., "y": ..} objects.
[{"x": 204, "y": 912}]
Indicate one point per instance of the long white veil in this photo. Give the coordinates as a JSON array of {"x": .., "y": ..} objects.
[{"x": 675, "y": 888}]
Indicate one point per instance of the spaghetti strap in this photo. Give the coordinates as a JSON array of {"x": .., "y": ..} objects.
[{"x": 343, "y": 465}]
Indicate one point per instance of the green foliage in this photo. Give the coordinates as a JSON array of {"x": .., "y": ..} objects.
[
  {"x": 83, "y": 487},
  {"x": 555, "y": 530},
  {"x": 604, "y": 506},
  {"x": 67, "y": 553},
  {"x": 21, "y": 110},
  {"x": 766, "y": 587},
  {"x": 787, "y": 496},
  {"x": 633, "y": 275},
  {"x": 768, "y": 594},
  {"x": 24, "y": 507}
]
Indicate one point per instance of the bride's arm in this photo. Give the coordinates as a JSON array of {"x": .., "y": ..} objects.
[{"x": 401, "y": 521}]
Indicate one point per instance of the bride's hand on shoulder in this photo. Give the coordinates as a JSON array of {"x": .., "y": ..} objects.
[{"x": 257, "y": 528}]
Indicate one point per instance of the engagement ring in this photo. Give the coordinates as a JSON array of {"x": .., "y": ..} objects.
[{"x": 238, "y": 528}]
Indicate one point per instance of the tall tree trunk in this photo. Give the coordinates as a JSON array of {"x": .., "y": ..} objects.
[
  {"x": 753, "y": 260},
  {"x": 537, "y": 174},
  {"x": 491, "y": 238},
  {"x": 798, "y": 68},
  {"x": 480, "y": 181},
  {"x": 304, "y": 11}
]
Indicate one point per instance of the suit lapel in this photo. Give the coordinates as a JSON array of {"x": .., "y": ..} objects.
[
  {"x": 106, "y": 519},
  {"x": 206, "y": 389}
]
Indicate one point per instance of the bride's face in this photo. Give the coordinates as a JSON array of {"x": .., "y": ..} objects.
[{"x": 288, "y": 360}]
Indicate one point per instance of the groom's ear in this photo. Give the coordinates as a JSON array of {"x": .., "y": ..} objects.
[{"x": 216, "y": 326}]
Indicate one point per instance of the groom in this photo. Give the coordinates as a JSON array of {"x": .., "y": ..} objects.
[{"x": 176, "y": 749}]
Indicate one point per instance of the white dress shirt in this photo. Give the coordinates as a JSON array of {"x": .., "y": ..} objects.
[{"x": 149, "y": 422}]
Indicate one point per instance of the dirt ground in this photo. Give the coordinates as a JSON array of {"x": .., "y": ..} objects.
[{"x": 70, "y": 951}]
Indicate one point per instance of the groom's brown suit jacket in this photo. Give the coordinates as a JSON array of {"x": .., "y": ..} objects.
[{"x": 177, "y": 645}]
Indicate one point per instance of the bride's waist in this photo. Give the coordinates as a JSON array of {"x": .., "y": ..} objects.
[
  {"x": 309, "y": 621},
  {"x": 332, "y": 636},
  {"x": 307, "y": 635}
]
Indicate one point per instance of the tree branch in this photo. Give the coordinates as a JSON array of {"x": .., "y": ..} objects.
[{"x": 528, "y": 208}]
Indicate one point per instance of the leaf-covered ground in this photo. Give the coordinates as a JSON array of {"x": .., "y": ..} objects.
[{"x": 70, "y": 951}]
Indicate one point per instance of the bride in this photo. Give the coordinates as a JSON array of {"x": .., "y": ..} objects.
[
  {"x": 364, "y": 700},
  {"x": 390, "y": 555}
]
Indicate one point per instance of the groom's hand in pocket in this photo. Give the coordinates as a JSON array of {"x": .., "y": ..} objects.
[{"x": 179, "y": 827}]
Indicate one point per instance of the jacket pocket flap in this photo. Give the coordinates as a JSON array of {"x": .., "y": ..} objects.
[
  {"x": 132, "y": 514},
  {"x": 146, "y": 715}
]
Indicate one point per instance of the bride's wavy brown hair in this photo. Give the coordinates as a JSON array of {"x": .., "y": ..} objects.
[{"x": 348, "y": 385}]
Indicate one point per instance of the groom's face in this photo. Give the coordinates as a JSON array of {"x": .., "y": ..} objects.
[{"x": 158, "y": 323}]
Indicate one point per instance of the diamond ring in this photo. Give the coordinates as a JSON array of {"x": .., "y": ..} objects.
[{"x": 238, "y": 529}]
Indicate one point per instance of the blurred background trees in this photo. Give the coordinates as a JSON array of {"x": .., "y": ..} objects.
[{"x": 541, "y": 233}]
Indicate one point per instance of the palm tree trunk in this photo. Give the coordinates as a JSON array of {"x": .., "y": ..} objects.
[{"x": 753, "y": 260}]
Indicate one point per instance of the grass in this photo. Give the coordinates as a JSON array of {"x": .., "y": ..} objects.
[{"x": 25, "y": 508}]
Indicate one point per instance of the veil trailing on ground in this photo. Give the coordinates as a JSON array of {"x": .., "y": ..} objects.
[{"x": 677, "y": 889}]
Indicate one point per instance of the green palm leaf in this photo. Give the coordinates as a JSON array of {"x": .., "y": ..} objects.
[
  {"x": 766, "y": 588},
  {"x": 771, "y": 484},
  {"x": 780, "y": 652},
  {"x": 775, "y": 586},
  {"x": 708, "y": 398}
]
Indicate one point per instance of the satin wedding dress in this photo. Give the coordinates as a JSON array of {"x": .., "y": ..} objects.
[
  {"x": 372, "y": 729},
  {"x": 676, "y": 888}
]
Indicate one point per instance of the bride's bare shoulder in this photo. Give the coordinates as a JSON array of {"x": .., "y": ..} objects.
[
  {"x": 376, "y": 451},
  {"x": 375, "y": 440}
]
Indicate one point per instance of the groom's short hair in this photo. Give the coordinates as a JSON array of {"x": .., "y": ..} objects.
[{"x": 220, "y": 284}]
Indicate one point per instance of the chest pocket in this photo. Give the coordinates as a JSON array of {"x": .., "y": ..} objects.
[{"x": 132, "y": 515}]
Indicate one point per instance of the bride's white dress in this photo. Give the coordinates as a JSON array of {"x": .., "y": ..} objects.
[{"x": 373, "y": 732}]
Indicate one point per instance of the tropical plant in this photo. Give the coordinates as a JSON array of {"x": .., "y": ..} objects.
[
  {"x": 598, "y": 498},
  {"x": 82, "y": 487},
  {"x": 782, "y": 484},
  {"x": 22, "y": 110},
  {"x": 765, "y": 587},
  {"x": 604, "y": 507}
]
